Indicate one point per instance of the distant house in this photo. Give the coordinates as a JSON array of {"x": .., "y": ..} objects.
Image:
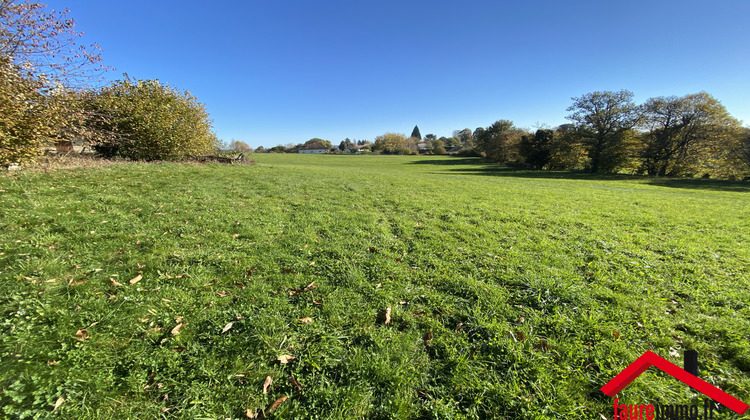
[{"x": 313, "y": 148}]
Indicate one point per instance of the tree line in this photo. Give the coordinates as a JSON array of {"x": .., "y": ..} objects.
[
  {"x": 691, "y": 135},
  {"x": 50, "y": 93}
]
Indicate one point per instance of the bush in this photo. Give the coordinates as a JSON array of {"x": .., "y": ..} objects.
[
  {"x": 24, "y": 119},
  {"x": 147, "y": 120}
]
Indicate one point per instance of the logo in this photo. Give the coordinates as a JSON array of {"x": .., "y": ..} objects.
[{"x": 642, "y": 411}]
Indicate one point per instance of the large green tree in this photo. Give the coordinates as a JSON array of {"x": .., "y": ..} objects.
[
  {"x": 415, "y": 133},
  {"x": 604, "y": 122},
  {"x": 500, "y": 141},
  {"x": 686, "y": 135}
]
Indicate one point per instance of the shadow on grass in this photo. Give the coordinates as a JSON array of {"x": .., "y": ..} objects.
[{"x": 484, "y": 167}]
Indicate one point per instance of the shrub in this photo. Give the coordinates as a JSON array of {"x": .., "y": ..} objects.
[{"x": 148, "y": 120}]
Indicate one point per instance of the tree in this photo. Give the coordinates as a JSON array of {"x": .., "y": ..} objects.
[
  {"x": 44, "y": 42},
  {"x": 39, "y": 64},
  {"x": 686, "y": 134},
  {"x": 240, "y": 146},
  {"x": 430, "y": 137},
  {"x": 500, "y": 141},
  {"x": 604, "y": 122},
  {"x": 325, "y": 143},
  {"x": 415, "y": 133},
  {"x": 465, "y": 136},
  {"x": 151, "y": 121},
  {"x": 536, "y": 149},
  {"x": 24, "y": 120},
  {"x": 392, "y": 143},
  {"x": 346, "y": 144}
]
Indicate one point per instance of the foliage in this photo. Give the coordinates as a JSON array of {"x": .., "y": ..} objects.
[
  {"x": 686, "y": 135},
  {"x": 535, "y": 289},
  {"x": 39, "y": 64},
  {"x": 500, "y": 141},
  {"x": 44, "y": 43},
  {"x": 392, "y": 144},
  {"x": 325, "y": 143},
  {"x": 415, "y": 133},
  {"x": 23, "y": 117},
  {"x": 240, "y": 146},
  {"x": 604, "y": 121},
  {"x": 536, "y": 149},
  {"x": 149, "y": 120}
]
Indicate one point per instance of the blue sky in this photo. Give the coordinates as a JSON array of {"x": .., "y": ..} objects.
[{"x": 277, "y": 72}]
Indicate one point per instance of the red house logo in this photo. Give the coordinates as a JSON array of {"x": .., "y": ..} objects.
[{"x": 649, "y": 359}]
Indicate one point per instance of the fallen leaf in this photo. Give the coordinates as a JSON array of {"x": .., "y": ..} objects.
[
  {"x": 428, "y": 337},
  {"x": 544, "y": 345},
  {"x": 165, "y": 409},
  {"x": 276, "y": 404},
  {"x": 295, "y": 383},
  {"x": 616, "y": 334},
  {"x": 309, "y": 287},
  {"x": 373, "y": 249},
  {"x": 52, "y": 363},
  {"x": 513, "y": 337},
  {"x": 639, "y": 325},
  {"x": 58, "y": 403},
  {"x": 521, "y": 320},
  {"x": 179, "y": 348},
  {"x": 176, "y": 330},
  {"x": 267, "y": 384},
  {"x": 82, "y": 335},
  {"x": 135, "y": 279},
  {"x": 224, "y": 294},
  {"x": 379, "y": 285},
  {"x": 459, "y": 327},
  {"x": 178, "y": 320},
  {"x": 317, "y": 302},
  {"x": 250, "y": 414},
  {"x": 306, "y": 320},
  {"x": 521, "y": 336},
  {"x": 77, "y": 283},
  {"x": 227, "y": 327},
  {"x": 387, "y": 319},
  {"x": 284, "y": 359},
  {"x": 114, "y": 282}
]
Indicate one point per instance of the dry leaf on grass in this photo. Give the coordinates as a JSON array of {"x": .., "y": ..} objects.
[
  {"x": 224, "y": 294},
  {"x": 285, "y": 358},
  {"x": 387, "y": 319},
  {"x": 428, "y": 337},
  {"x": 176, "y": 329},
  {"x": 82, "y": 335},
  {"x": 295, "y": 383},
  {"x": 114, "y": 282},
  {"x": 135, "y": 279},
  {"x": 276, "y": 404},
  {"x": 306, "y": 320},
  {"x": 227, "y": 327},
  {"x": 77, "y": 283},
  {"x": 267, "y": 384},
  {"x": 58, "y": 403},
  {"x": 616, "y": 334}
]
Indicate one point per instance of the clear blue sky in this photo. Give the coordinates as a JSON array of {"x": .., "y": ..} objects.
[{"x": 277, "y": 72}]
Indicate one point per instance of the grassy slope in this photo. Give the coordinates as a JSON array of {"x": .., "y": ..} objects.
[{"x": 536, "y": 288}]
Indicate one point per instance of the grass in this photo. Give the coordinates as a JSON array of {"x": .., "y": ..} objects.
[{"x": 512, "y": 295}]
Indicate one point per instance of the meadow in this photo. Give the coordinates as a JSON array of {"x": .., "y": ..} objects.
[{"x": 363, "y": 287}]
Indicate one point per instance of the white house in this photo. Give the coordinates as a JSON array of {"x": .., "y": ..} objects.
[{"x": 313, "y": 148}]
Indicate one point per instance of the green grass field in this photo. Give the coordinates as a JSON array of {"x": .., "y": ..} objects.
[{"x": 150, "y": 290}]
